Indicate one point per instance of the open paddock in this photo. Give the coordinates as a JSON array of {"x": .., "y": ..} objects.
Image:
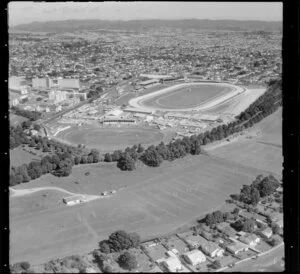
[
  {"x": 18, "y": 156},
  {"x": 154, "y": 202},
  {"x": 263, "y": 151},
  {"x": 15, "y": 120}
]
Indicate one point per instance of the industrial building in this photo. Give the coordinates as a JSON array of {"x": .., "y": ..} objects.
[
  {"x": 42, "y": 83},
  {"x": 68, "y": 83},
  {"x": 57, "y": 96},
  {"x": 18, "y": 84}
]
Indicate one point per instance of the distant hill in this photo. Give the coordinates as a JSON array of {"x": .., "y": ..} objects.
[{"x": 77, "y": 25}]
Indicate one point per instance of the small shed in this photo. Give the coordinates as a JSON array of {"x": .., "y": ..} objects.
[{"x": 73, "y": 200}]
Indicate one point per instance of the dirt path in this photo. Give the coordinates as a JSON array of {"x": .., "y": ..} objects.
[{"x": 23, "y": 192}]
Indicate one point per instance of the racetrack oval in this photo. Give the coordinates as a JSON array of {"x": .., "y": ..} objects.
[
  {"x": 187, "y": 97},
  {"x": 106, "y": 138}
]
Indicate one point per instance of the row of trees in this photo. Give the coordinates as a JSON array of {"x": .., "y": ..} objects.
[
  {"x": 59, "y": 165},
  {"x": 261, "y": 187},
  {"x": 31, "y": 115},
  {"x": 118, "y": 241}
]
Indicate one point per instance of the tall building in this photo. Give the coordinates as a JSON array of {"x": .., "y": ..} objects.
[
  {"x": 17, "y": 83},
  {"x": 57, "y": 96},
  {"x": 42, "y": 83},
  {"x": 68, "y": 83}
]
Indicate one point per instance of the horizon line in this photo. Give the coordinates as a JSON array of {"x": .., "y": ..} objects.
[{"x": 144, "y": 19}]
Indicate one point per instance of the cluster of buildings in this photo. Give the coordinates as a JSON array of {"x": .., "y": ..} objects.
[
  {"x": 44, "y": 94},
  {"x": 197, "y": 249},
  {"x": 242, "y": 57}
]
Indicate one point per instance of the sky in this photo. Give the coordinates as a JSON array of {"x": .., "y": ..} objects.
[{"x": 27, "y": 12}]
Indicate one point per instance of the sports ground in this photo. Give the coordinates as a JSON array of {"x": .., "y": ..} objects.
[
  {"x": 109, "y": 138},
  {"x": 263, "y": 151},
  {"x": 187, "y": 96},
  {"x": 149, "y": 202}
]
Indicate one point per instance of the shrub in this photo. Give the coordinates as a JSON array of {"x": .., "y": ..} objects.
[
  {"x": 216, "y": 264},
  {"x": 127, "y": 261}
]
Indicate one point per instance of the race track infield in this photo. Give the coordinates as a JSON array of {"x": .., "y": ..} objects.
[
  {"x": 187, "y": 97},
  {"x": 109, "y": 138},
  {"x": 150, "y": 202}
]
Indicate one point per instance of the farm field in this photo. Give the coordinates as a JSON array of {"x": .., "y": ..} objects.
[
  {"x": 263, "y": 151},
  {"x": 187, "y": 97},
  {"x": 18, "y": 156},
  {"x": 150, "y": 204},
  {"x": 239, "y": 103},
  {"x": 110, "y": 138}
]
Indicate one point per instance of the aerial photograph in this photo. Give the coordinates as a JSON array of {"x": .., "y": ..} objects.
[{"x": 145, "y": 137}]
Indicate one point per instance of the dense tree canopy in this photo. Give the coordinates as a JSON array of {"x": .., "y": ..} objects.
[
  {"x": 119, "y": 240},
  {"x": 127, "y": 261}
]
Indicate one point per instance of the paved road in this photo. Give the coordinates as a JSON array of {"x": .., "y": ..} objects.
[{"x": 270, "y": 262}]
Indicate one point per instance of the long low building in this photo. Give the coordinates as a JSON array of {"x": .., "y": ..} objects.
[
  {"x": 115, "y": 121},
  {"x": 138, "y": 110}
]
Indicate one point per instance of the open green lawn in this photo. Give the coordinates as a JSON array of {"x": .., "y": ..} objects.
[
  {"x": 187, "y": 97},
  {"x": 15, "y": 120},
  {"x": 155, "y": 201},
  {"x": 18, "y": 156},
  {"x": 111, "y": 138},
  {"x": 263, "y": 151}
]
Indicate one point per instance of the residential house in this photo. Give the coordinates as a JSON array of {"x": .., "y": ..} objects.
[
  {"x": 266, "y": 233},
  {"x": 172, "y": 264},
  {"x": 249, "y": 239},
  {"x": 237, "y": 247},
  {"x": 212, "y": 249},
  {"x": 194, "y": 257}
]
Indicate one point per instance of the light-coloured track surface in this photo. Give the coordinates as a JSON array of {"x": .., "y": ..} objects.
[{"x": 187, "y": 97}]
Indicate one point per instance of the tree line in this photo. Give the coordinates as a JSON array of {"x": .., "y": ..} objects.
[
  {"x": 261, "y": 187},
  {"x": 59, "y": 165},
  {"x": 31, "y": 115}
]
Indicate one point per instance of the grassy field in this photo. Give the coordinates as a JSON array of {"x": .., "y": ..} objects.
[
  {"x": 15, "y": 120},
  {"x": 187, "y": 97},
  {"x": 149, "y": 201},
  {"x": 110, "y": 138},
  {"x": 263, "y": 151},
  {"x": 18, "y": 156}
]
